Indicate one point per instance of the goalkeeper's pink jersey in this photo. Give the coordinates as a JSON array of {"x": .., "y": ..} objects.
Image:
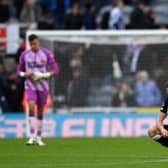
[{"x": 40, "y": 61}]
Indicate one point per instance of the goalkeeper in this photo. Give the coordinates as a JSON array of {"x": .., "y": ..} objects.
[{"x": 34, "y": 66}]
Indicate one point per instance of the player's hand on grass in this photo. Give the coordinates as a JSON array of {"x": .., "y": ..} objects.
[{"x": 164, "y": 132}]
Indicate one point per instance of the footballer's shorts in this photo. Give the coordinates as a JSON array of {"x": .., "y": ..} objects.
[
  {"x": 39, "y": 97},
  {"x": 166, "y": 127}
]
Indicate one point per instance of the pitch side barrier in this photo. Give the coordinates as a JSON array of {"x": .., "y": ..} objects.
[{"x": 115, "y": 124}]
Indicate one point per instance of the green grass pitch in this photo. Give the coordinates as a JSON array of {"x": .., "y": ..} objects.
[{"x": 84, "y": 153}]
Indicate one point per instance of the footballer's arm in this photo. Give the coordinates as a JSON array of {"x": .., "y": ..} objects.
[{"x": 160, "y": 125}]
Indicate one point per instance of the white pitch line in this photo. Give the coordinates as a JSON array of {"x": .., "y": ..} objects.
[{"x": 155, "y": 161}]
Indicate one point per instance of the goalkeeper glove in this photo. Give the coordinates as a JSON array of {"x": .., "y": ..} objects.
[
  {"x": 46, "y": 75},
  {"x": 37, "y": 76}
]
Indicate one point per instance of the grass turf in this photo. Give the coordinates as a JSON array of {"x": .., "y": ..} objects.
[{"x": 84, "y": 153}]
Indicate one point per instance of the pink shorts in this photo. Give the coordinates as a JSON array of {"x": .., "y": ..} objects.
[{"x": 39, "y": 97}]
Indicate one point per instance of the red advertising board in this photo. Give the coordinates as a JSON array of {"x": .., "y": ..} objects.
[{"x": 3, "y": 36}]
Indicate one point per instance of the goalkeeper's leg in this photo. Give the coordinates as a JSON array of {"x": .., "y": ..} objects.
[
  {"x": 41, "y": 101},
  {"x": 155, "y": 134},
  {"x": 32, "y": 98}
]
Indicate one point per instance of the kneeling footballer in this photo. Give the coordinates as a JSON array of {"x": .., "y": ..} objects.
[{"x": 159, "y": 132}]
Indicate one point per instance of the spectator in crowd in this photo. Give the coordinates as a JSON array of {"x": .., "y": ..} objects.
[
  {"x": 58, "y": 9},
  {"x": 79, "y": 85},
  {"x": 124, "y": 95},
  {"x": 73, "y": 19},
  {"x": 78, "y": 88},
  {"x": 4, "y": 11},
  {"x": 18, "y": 4},
  {"x": 31, "y": 12},
  {"x": 104, "y": 17},
  {"x": 151, "y": 19},
  {"x": 3, "y": 86},
  {"x": 89, "y": 17},
  {"x": 13, "y": 92},
  {"x": 138, "y": 18},
  {"x": 22, "y": 47},
  {"x": 147, "y": 92},
  {"x": 46, "y": 20},
  {"x": 116, "y": 19},
  {"x": 161, "y": 78},
  {"x": 76, "y": 61},
  {"x": 132, "y": 56}
]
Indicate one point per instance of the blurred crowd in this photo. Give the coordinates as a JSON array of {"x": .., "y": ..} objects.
[
  {"x": 92, "y": 81},
  {"x": 11, "y": 86},
  {"x": 76, "y": 85},
  {"x": 78, "y": 14}
]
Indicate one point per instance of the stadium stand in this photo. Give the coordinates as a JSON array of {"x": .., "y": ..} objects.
[{"x": 71, "y": 14}]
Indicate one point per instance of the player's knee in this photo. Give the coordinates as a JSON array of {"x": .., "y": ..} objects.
[
  {"x": 31, "y": 111},
  {"x": 40, "y": 116},
  {"x": 40, "y": 113},
  {"x": 152, "y": 132},
  {"x": 149, "y": 132},
  {"x": 31, "y": 106}
]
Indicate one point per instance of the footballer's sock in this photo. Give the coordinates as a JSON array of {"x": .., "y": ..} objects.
[
  {"x": 32, "y": 121},
  {"x": 160, "y": 139},
  {"x": 39, "y": 126}
]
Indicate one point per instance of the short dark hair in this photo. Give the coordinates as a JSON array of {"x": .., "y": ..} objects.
[
  {"x": 88, "y": 6},
  {"x": 32, "y": 37}
]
